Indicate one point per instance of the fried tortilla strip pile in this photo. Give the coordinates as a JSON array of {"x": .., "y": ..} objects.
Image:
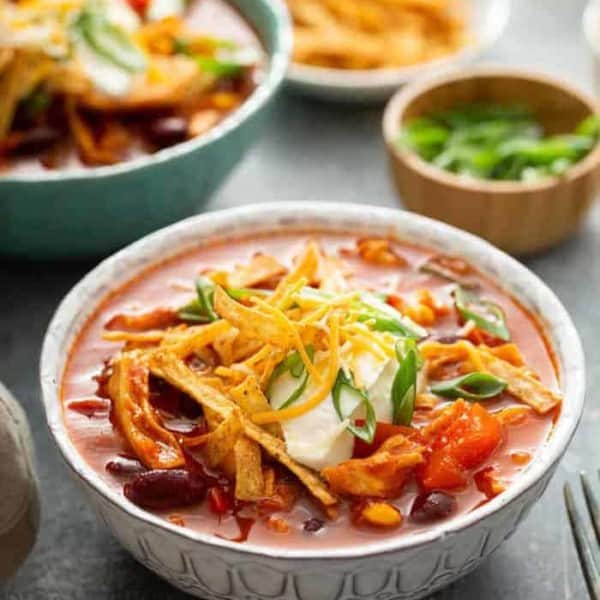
[
  {"x": 156, "y": 447},
  {"x": 251, "y": 322},
  {"x": 173, "y": 370}
]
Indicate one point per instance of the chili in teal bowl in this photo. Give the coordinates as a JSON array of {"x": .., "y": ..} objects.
[{"x": 49, "y": 214}]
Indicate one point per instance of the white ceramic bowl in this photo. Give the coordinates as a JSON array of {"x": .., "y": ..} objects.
[
  {"x": 399, "y": 568},
  {"x": 591, "y": 32},
  {"x": 487, "y": 20}
]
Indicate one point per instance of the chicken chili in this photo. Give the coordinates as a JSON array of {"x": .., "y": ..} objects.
[
  {"x": 98, "y": 82},
  {"x": 311, "y": 388}
]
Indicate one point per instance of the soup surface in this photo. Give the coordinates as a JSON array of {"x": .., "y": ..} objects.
[
  {"x": 122, "y": 78},
  {"x": 387, "y": 447}
]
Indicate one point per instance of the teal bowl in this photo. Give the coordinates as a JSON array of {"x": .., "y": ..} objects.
[{"x": 86, "y": 213}]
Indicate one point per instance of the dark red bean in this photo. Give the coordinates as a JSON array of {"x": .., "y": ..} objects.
[
  {"x": 167, "y": 131},
  {"x": 165, "y": 488},
  {"x": 447, "y": 339},
  {"x": 38, "y": 139},
  {"x": 122, "y": 465},
  {"x": 313, "y": 525},
  {"x": 432, "y": 507}
]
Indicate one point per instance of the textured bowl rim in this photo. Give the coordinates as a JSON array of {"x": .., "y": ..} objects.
[
  {"x": 75, "y": 308},
  {"x": 376, "y": 79},
  {"x": 278, "y": 62},
  {"x": 398, "y": 104}
]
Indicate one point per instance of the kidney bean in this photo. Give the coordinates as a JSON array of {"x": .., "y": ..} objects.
[
  {"x": 36, "y": 140},
  {"x": 165, "y": 488},
  {"x": 432, "y": 507},
  {"x": 167, "y": 131},
  {"x": 313, "y": 525}
]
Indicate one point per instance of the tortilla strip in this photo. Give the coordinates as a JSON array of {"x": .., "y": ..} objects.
[
  {"x": 250, "y": 398},
  {"x": 156, "y": 447},
  {"x": 251, "y": 322},
  {"x": 261, "y": 268},
  {"x": 184, "y": 343},
  {"x": 521, "y": 384},
  {"x": 249, "y": 480},
  {"x": 221, "y": 442},
  {"x": 307, "y": 266},
  {"x": 171, "y": 369},
  {"x": 19, "y": 77},
  {"x": 331, "y": 276}
]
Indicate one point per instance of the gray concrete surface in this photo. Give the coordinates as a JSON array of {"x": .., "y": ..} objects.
[{"x": 315, "y": 151}]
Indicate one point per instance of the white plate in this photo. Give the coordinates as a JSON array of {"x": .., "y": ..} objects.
[{"x": 487, "y": 21}]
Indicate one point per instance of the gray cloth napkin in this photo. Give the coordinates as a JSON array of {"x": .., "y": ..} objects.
[{"x": 19, "y": 500}]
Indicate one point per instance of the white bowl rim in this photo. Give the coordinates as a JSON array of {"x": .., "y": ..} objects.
[
  {"x": 371, "y": 80},
  {"x": 328, "y": 214},
  {"x": 277, "y": 64}
]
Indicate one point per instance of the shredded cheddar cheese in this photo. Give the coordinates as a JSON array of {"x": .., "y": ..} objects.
[{"x": 333, "y": 365}]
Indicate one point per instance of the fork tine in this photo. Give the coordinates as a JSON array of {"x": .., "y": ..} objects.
[
  {"x": 588, "y": 557},
  {"x": 592, "y": 503}
]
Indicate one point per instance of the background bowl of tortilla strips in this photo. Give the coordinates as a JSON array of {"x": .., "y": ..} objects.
[
  {"x": 402, "y": 567},
  {"x": 56, "y": 214},
  {"x": 424, "y": 38}
]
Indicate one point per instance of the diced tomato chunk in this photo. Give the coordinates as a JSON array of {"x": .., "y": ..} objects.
[
  {"x": 441, "y": 472},
  {"x": 383, "y": 432},
  {"x": 139, "y": 6},
  {"x": 463, "y": 444},
  {"x": 476, "y": 438}
]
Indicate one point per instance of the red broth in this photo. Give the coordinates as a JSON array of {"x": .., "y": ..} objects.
[{"x": 169, "y": 284}]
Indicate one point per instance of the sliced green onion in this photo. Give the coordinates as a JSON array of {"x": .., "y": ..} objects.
[
  {"x": 220, "y": 68},
  {"x": 385, "y": 318},
  {"x": 344, "y": 385},
  {"x": 109, "y": 41},
  {"x": 485, "y": 314},
  {"x": 293, "y": 365},
  {"x": 473, "y": 386},
  {"x": 404, "y": 386},
  {"x": 201, "y": 309}
]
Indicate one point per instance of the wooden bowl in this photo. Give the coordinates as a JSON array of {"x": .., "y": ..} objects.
[{"x": 518, "y": 217}]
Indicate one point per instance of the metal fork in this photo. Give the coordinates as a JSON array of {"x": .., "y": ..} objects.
[{"x": 588, "y": 548}]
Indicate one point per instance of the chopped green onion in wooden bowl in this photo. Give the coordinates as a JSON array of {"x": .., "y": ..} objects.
[{"x": 496, "y": 142}]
